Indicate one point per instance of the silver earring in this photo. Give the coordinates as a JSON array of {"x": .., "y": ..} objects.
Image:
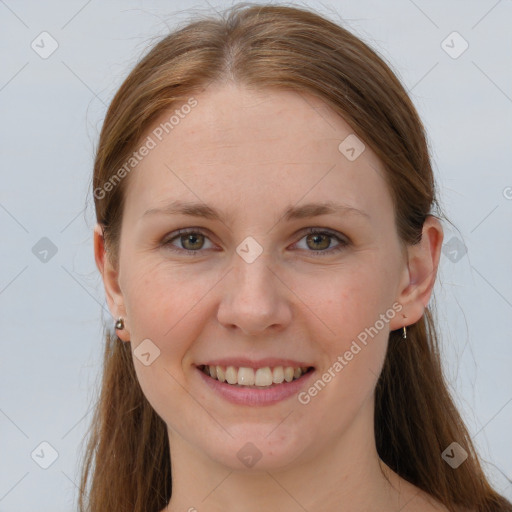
[
  {"x": 404, "y": 333},
  {"x": 120, "y": 323}
]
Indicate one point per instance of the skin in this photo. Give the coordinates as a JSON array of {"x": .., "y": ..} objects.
[{"x": 251, "y": 154}]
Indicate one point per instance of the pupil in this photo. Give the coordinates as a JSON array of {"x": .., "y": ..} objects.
[
  {"x": 315, "y": 237},
  {"x": 191, "y": 238}
]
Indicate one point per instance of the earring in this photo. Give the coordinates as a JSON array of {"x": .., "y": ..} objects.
[
  {"x": 120, "y": 323},
  {"x": 404, "y": 333}
]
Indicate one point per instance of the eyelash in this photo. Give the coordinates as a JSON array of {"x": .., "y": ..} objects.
[{"x": 310, "y": 231}]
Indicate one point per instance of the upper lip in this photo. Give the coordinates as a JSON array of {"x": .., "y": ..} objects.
[{"x": 260, "y": 363}]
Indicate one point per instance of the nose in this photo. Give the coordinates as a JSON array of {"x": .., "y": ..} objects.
[{"x": 255, "y": 298}]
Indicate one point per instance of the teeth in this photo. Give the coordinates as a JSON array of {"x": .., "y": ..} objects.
[
  {"x": 231, "y": 375},
  {"x": 278, "y": 374},
  {"x": 261, "y": 377},
  {"x": 246, "y": 377},
  {"x": 220, "y": 374}
]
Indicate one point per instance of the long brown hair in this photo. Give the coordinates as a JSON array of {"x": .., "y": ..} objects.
[{"x": 126, "y": 467}]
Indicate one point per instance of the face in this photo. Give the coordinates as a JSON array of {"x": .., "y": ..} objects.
[{"x": 271, "y": 278}]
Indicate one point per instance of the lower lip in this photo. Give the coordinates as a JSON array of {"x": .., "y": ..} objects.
[{"x": 253, "y": 396}]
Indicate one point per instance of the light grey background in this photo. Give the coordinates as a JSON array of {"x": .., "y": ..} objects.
[{"x": 51, "y": 114}]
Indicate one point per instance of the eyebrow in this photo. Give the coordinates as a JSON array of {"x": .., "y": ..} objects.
[{"x": 290, "y": 213}]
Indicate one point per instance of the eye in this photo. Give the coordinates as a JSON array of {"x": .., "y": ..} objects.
[
  {"x": 192, "y": 240},
  {"x": 320, "y": 239}
]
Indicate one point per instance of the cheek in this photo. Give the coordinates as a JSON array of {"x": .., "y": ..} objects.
[
  {"x": 349, "y": 301},
  {"x": 163, "y": 305},
  {"x": 354, "y": 344},
  {"x": 356, "y": 309},
  {"x": 162, "y": 302}
]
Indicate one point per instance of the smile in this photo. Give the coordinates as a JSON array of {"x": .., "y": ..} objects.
[
  {"x": 254, "y": 377},
  {"x": 255, "y": 387}
]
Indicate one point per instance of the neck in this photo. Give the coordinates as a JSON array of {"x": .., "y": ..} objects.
[{"x": 348, "y": 475}]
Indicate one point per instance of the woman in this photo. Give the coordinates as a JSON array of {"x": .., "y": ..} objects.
[{"x": 268, "y": 241}]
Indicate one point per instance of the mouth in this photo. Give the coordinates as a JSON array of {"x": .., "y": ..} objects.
[{"x": 255, "y": 378}]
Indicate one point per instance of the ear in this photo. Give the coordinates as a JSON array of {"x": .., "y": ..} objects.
[
  {"x": 420, "y": 274},
  {"x": 110, "y": 277}
]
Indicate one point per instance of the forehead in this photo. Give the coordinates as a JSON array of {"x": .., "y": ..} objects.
[{"x": 240, "y": 149}]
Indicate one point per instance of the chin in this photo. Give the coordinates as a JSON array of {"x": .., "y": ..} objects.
[{"x": 253, "y": 449}]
